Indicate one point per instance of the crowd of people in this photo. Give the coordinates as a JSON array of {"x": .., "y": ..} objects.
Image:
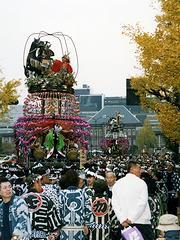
[{"x": 132, "y": 197}]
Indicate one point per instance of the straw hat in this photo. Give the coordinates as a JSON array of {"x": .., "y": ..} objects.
[{"x": 168, "y": 222}]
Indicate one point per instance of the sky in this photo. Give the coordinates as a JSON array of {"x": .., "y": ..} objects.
[{"x": 106, "y": 57}]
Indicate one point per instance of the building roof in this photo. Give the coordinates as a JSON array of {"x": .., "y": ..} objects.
[
  {"x": 107, "y": 112},
  {"x": 114, "y": 101},
  {"x": 6, "y": 132},
  {"x": 136, "y": 109}
]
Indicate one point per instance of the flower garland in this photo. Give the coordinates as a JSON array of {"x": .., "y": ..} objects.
[
  {"x": 110, "y": 142},
  {"x": 29, "y": 128}
]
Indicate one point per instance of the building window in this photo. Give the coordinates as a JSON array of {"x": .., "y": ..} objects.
[
  {"x": 94, "y": 132},
  {"x": 133, "y": 132},
  {"x": 130, "y": 143},
  {"x": 6, "y": 139},
  {"x": 94, "y": 141},
  {"x": 129, "y": 132},
  {"x": 100, "y": 131}
]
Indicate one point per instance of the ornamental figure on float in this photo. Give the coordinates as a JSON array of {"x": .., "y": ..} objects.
[{"x": 39, "y": 60}]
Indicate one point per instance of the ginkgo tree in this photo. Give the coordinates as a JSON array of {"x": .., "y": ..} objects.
[
  {"x": 8, "y": 94},
  {"x": 159, "y": 56},
  {"x": 146, "y": 138}
]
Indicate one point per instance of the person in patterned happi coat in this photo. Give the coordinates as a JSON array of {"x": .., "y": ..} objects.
[
  {"x": 48, "y": 188},
  {"x": 45, "y": 220},
  {"x": 14, "y": 219},
  {"x": 153, "y": 199},
  {"x": 90, "y": 177},
  {"x": 172, "y": 181},
  {"x": 75, "y": 208},
  {"x": 18, "y": 183},
  {"x": 115, "y": 229},
  {"x": 102, "y": 210}
]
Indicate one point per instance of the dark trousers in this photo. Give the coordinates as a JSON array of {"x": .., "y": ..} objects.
[
  {"x": 172, "y": 205},
  {"x": 145, "y": 230}
]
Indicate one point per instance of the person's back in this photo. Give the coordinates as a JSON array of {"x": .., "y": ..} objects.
[
  {"x": 43, "y": 215},
  {"x": 132, "y": 187},
  {"x": 75, "y": 208},
  {"x": 130, "y": 201},
  {"x": 42, "y": 211},
  {"x": 102, "y": 211}
]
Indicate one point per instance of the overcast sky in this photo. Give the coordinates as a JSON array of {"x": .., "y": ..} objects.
[{"x": 106, "y": 58}]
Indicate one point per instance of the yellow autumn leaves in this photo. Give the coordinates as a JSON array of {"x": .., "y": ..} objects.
[
  {"x": 8, "y": 94},
  {"x": 159, "y": 57}
]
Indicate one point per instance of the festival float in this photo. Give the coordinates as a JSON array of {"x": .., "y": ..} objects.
[
  {"x": 115, "y": 143},
  {"x": 51, "y": 128}
]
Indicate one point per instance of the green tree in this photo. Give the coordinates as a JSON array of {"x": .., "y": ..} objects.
[
  {"x": 133, "y": 149},
  {"x": 8, "y": 94},
  {"x": 158, "y": 55},
  {"x": 146, "y": 138}
]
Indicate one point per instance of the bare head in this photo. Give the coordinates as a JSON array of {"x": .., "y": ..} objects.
[
  {"x": 134, "y": 168},
  {"x": 6, "y": 191},
  {"x": 110, "y": 178}
]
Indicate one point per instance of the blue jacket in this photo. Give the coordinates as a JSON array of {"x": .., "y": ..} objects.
[
  {"x": 18, "y": 218},
  {"x": 172, "y": 235}
]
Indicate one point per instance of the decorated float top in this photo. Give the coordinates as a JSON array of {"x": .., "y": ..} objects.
[
  {"x": 47, "y": 70},
  {"x": 115, "y": 142},
  {"x": 51, "y": 127}
]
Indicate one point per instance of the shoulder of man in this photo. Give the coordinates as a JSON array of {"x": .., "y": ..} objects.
[{"x": 18, "y": 200}]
